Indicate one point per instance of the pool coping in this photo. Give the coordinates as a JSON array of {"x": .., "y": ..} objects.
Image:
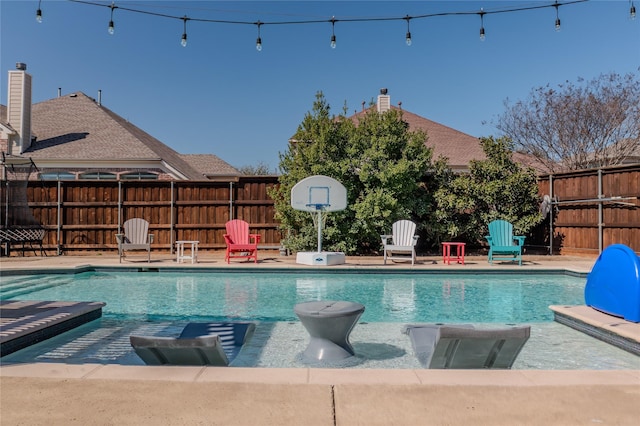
[
  {"x": 323, "y": 376},
  {"x": 294, "y": 269},
  {"x": 610, "y": 329}
]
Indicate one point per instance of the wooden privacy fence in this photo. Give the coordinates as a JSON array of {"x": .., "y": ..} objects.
[
  {"x": 591, "y": 209},
  {"x": 86, "y": 215}
]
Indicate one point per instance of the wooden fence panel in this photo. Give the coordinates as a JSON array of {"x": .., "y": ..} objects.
[
  {"x": 582, "y": 224},
  {"x": 86, "y": 215}
]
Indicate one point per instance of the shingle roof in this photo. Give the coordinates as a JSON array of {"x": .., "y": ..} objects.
[
  {"x": 76, "y": 127},
  {"x": 3, "y": 118},
  {"x": 210, "y": 165},
  {"x": 460, "y": 148}
]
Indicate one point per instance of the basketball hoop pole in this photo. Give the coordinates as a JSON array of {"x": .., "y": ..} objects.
[
  {"x": 319, "y": 195},
  {"x": 319, "y": 230},
  {"x": 320, "y": 209}
]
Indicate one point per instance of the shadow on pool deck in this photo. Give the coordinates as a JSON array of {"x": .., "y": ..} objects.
[{"x": 49, "y": 393}]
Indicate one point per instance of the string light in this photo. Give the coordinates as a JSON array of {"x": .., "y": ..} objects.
[
  {"x": 259, "y": 40},
  {"x": 111, "y": 28},
  {"x": 183, "y": 40},
  {"x": 408, "y": 36},
  {"x": 632, "y": 10},
  {"x": 39, "y": 13},
  {"x": 333, "y": 20},
  {"x": 333, "y": 34}
]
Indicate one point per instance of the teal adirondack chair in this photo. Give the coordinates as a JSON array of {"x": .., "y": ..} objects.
[{"x": 503, "y": 245}]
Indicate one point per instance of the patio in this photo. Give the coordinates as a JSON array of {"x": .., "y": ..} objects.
[{"x": 112, "y": 394}]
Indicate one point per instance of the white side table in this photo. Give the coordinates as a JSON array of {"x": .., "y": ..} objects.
[{"x": 181, "y": 257}]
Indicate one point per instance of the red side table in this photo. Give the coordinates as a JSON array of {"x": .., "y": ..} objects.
[{"x": 446, "y": 252}]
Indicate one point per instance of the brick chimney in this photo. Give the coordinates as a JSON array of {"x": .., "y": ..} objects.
[
  {"x": 384, "y": 101},
  {"x": 19, "y": 109}
]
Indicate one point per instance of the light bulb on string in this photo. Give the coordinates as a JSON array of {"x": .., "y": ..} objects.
[
  {"x": 333, "y": 20},
  {"x": 407, "y": 38},
  {"x": 111, "y": 29},
  {"x": 632, "y": 10},
  {"x": 259, "y": 39},
  {"x": 333, "y": 35},
  {"x": 183, "y": 40},
  {"x": 39, "y": 13}
]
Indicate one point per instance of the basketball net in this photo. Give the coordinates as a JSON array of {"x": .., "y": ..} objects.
[{"x": 315, "y": 215}]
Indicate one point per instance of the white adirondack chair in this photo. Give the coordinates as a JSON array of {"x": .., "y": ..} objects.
[
  {"x": 403, "y": 241},
  {"x": 136, "y": 237}
]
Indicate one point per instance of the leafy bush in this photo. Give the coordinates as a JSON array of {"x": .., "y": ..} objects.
[
  {"x": 381, "y": 163},
  {"x": 495, "y": 188}
]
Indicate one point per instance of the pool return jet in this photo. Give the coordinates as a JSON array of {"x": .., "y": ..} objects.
[{"x": 319, "y": 195}]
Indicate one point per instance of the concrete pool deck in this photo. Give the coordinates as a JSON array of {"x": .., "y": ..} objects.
[{"x": 47, "y": 393}]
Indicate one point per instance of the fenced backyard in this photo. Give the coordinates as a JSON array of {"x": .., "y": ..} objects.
[{"x": 591, "y": 209}]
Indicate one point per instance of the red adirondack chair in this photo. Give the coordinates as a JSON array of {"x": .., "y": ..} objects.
[{"x": 240, "y": 243}]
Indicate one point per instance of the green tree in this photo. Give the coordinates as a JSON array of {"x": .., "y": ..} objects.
[
  {"x": 495, "y": 188},
  {"x": 380, "y": 162}
]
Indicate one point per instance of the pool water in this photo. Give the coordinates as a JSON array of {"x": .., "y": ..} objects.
[
  {"x": 271, "y": 297},
  {"x": 162, "y": 303}
]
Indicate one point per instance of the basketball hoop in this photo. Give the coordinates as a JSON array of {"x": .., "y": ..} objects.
[{"x": 319, "y": 195}]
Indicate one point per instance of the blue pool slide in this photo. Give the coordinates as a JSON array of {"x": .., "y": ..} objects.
[{"x": 613, "y": 285}]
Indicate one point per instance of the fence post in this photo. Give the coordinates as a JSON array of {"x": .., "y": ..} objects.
[
  {"x": 5, "y": 182},
  {"x": 600, "y": 224},
  {"x": 119, "y": 205},
  {"x": 172, "y": 218},
  {"x": 59, "y": 219},
  {"x": 230, "y": 200},
  {"x": 551, "y": 215}
]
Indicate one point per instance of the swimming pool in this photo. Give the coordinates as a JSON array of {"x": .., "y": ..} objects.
[
  {"x": 399, "y": 298},
  {"x": 162, "y": 303}
]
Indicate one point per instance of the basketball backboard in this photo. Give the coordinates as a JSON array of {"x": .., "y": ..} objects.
[{"x": 319, "y": 193}]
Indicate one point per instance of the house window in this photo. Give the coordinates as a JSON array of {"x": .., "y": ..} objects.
[
  {"x": 98, "y": 176},
  {"x": 139, "y": 176},
  {"x": 57, "y": 176}
]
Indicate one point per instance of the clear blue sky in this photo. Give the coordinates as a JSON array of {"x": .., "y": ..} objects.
[{"x": 219, "y": 95}]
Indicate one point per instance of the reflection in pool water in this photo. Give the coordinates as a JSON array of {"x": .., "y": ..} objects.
[{"x": 162, "y": 304}]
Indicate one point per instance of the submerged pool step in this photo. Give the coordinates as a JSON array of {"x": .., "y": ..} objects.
[
  {"x": 26, "y": 286},
  {"x": 21, "y": 281},
  {"x": 25, "y": 323}
]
